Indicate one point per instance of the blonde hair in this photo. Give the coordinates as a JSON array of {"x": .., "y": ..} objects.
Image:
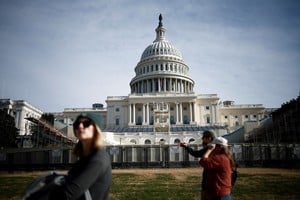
[
  {"x": 226, "y": 151},
  {"x": 96, "y": 144}
]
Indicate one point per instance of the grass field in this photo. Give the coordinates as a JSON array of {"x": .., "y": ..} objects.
[{"x": 252, "y": 183}]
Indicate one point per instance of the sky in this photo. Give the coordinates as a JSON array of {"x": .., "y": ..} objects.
[{"x": 70, "y": 54}]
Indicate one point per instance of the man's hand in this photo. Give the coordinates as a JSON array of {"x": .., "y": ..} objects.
[
  {"x": 211, "y": 147},
  {"x": 182, "y": 144}
]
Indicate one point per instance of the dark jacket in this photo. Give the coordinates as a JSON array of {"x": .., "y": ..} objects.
[
  {"x": 91, "y": 173},
  {"x": 199, "y": 154}
]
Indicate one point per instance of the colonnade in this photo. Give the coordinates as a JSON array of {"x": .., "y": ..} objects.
[
  {"x": 150, "y": 109},
  {"x": 162, "y": 85}
]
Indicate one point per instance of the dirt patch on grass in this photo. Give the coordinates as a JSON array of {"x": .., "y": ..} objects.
[
  {"x": 178, "y": 172},
  {"x": 292, "y": 172},
  {"x": 26, "y": 173}
]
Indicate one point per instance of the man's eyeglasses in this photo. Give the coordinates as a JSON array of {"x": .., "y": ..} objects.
[{"x": 85, "y": 122}]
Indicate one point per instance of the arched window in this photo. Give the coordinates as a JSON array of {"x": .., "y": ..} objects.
[
  {"x": 133, "y": 141},
  {"x": 191, "y": 140},
  {"x": 207, "y": 119},
  {"x": 162, "y": 141},
  {"x": 176, "y": 141},
  {"x": 147, "y": 141}
]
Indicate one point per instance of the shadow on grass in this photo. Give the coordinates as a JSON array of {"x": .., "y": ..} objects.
[{"x": 163, "y": 186}]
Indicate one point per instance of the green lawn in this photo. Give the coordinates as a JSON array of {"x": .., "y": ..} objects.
[{"x": 163, "y": 186}]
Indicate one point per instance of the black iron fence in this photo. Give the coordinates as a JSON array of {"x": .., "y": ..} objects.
[{"x": 150, "y": 156}]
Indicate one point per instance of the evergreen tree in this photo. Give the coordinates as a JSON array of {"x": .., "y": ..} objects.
[{"x": 8, "y": 131}]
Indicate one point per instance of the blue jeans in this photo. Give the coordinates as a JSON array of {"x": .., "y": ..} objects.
[{"x": 227, "y": 197}]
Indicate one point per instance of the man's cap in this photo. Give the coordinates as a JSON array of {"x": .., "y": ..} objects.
[
  {"x": 220, "y": 141},
  {"x": 95, "y": 118},
  {"x": 208, "y": 134}
]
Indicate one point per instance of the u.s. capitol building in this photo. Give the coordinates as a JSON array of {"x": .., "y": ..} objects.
[{"x": 163, "y": 107}]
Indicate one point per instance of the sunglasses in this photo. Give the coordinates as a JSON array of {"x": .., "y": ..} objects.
[{"x": 85, "y": 122}]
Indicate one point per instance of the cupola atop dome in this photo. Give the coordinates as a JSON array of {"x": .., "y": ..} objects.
[
  {"x": 160, "y": 30},
  {"x": 160, "y": 46}
]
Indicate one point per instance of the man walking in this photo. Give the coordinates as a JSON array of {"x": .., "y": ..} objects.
[{"x": 207, "y": 138}]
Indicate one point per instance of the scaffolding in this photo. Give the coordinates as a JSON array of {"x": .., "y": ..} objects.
[
  {"x": 45, "y": 135},
  {"x": 284, "y": 127}
]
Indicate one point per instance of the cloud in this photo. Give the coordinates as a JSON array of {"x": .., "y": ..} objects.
[{"x": 57, "y": 54}]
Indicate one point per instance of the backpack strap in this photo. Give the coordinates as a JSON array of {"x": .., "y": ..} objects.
[{"x": 87, "y": 195}]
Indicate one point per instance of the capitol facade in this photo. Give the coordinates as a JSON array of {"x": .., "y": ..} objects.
[{"x": 163, "y": 107}]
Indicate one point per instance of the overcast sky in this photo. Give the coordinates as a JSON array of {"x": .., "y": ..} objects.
[{"x": 62, "y": 54}]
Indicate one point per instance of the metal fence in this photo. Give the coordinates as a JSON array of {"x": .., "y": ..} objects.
[{"x": 150, "y": 156}]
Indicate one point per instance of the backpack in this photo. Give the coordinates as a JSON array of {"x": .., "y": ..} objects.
[{"x": 42, "y": 187}]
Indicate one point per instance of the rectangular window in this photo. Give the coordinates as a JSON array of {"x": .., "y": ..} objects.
[
  {"x": 207, "y": 107},
  {"x": 208, "y": 120}
]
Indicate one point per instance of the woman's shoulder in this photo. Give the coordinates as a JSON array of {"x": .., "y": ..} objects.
[
  {"x": 100, "y": 154},
  {"x": 221, "y": 157}
]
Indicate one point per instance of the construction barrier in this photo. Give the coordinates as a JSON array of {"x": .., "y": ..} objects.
[{"x": 150, "y": 156}]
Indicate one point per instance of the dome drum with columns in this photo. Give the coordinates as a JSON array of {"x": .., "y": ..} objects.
[
  {"x": 162, "y": 105},
  {"x": 161, "y": 68}
]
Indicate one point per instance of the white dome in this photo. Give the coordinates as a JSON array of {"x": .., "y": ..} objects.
[
  {"x": 161, "y": 68},
  {"x": 163, "y": 48}
]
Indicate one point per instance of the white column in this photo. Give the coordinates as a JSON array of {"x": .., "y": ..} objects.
[
  {"x": 148, "y": 114},
  {"x": 177, "y": 113},
  {"x": 191, "y": 113},
  {"x": 129, "y": 111},
  {"x": 213, "y": 114},
  {"x": 202, "y": 119},
  {"x": 133, "y": 114},
  {"x": 180, "y": 113},
  {"x": 158, "y": 84},
  {"x": 144, "y": 115},
  {"x": 194, "y": 111}
]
